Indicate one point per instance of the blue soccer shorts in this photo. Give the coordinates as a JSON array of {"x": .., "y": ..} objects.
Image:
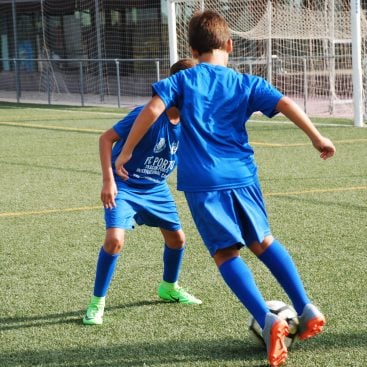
[
  {"x": 152, "y": 206},
  {"x": 228, "y": 217}
]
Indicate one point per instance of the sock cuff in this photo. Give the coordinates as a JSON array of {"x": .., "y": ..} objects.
[
  {"x": 98, "y": 300},
  {"x": 105, "y": 253},
  {"x": 175, "y": 249},
  {"x": 274, "y": 246},
  {"x": 169, "y": 285}
]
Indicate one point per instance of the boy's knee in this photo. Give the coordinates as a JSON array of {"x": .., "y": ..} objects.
[
  {"x": 113, "y": 243},
  {"x": 176, "y": 243},
  {"x": 223, "y": 255},
  {"x": 175, "y": 239},
  {"x": 259, "y": 248}
]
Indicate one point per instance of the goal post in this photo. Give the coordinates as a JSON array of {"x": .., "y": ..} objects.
[
  {"x": 172, "y": 35},
  {"x": 356, "y": 62},
  {"x": 314, "y": 52}
]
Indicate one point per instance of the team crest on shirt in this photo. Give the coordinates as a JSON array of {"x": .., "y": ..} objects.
[
  {"x": 160, "y": 145},
  {"x": 174, "y": 148}
]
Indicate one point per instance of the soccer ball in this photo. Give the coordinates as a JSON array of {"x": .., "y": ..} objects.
[{"x": 285, "y": 312}]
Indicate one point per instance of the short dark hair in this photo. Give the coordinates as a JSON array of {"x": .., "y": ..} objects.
[
  {"x": 208, "y": 31},
  {"x": 182, "y": 65}
]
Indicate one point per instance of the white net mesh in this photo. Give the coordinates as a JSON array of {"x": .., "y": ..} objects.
[
  {"x": 101, "y": 51},
  {"x": 95, "y": 50},
  {"x": 303, "y": 48}
]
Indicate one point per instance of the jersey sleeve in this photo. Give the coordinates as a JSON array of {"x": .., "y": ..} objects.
[
  {"x": 168, "y": 90},
  {"x": 122, "y": 127},
  {"x": 264, "y": 98}
]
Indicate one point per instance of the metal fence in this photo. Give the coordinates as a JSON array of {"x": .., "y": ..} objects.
[
  {"x": 127, "y": 82},
  {"x": 320, "y": 85},
  {"x": 84, "y": 81}
]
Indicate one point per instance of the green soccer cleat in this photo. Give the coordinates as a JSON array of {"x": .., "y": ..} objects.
[
  {"x": 171, "y": 292},
  {"x": 94, "y": 314}
]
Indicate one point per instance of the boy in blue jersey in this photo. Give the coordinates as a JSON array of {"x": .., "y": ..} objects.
[
  {"x": 145, "y": 199},
  {"x": 218, "y": 173}
]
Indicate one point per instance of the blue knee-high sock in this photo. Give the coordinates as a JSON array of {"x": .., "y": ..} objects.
[
  {"x": 281, "y": 265},
  {"x": 241, "y": 281},
  {"x": 106, "y": 265},
  {"x": 172, "y": 259}
]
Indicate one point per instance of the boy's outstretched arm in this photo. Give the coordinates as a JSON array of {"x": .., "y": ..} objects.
[
  {"x": 293, "y": 112},
  {"x": 146, "y": 118},
  {"x": 109, "y": 189}
]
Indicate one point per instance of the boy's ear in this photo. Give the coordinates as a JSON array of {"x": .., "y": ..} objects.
[
  {"x": 229, "y": 45},
  {"x": 195, "y": 54}
]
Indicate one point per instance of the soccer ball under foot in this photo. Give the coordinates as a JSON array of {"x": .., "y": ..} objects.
[{"x": 285, "y": 312}]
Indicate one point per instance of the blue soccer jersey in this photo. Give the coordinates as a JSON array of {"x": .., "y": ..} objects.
[
  {"x": 215, "y": 102},
  {"x": 154, "y": 157}
]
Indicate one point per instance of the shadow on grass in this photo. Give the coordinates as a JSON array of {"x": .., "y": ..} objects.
[
  {"x": 178, "y": 352},
  {"x": 209, "y": 352},
  {"x": 174, "y": 352},
  {"x": 334, "y": 340},
  {"x": 169, "y": 353},
  {"x": 74, "y": 317}
]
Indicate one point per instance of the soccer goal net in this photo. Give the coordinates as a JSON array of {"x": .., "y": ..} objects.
[
  {"x": 304, "y": 48},
  {"x": 81, "y": 52}
]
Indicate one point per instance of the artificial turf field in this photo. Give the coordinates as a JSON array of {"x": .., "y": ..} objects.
[{"x": 51, "y": 226}]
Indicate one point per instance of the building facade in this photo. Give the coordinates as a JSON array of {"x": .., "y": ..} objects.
[{"x": 55, "y": 43}]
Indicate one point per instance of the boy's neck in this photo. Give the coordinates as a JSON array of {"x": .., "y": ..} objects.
[{"x": 217, "y": 57}]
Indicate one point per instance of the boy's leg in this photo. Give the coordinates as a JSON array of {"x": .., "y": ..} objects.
[
  {"x": 281, "y": 265},
  {"x": 240, "y": 280},
  {"x": 173, "y": 252},
  {"x": 222, "y": 218},
  {"x": 106, "y": 264}
]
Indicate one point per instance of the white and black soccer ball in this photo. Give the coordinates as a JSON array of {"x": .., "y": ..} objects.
[{"x": 285, "y": 312}]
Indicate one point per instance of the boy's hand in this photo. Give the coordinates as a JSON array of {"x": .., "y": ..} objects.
[
  {"x": 325, "y": 146},
  {"x": 119, "y": 165},
  {"x": 108, "y": 194}
]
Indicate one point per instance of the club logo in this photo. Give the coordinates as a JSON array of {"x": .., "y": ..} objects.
[
  {"x": 174, "y": 148},
  {"x": 160, "y": 145}
]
